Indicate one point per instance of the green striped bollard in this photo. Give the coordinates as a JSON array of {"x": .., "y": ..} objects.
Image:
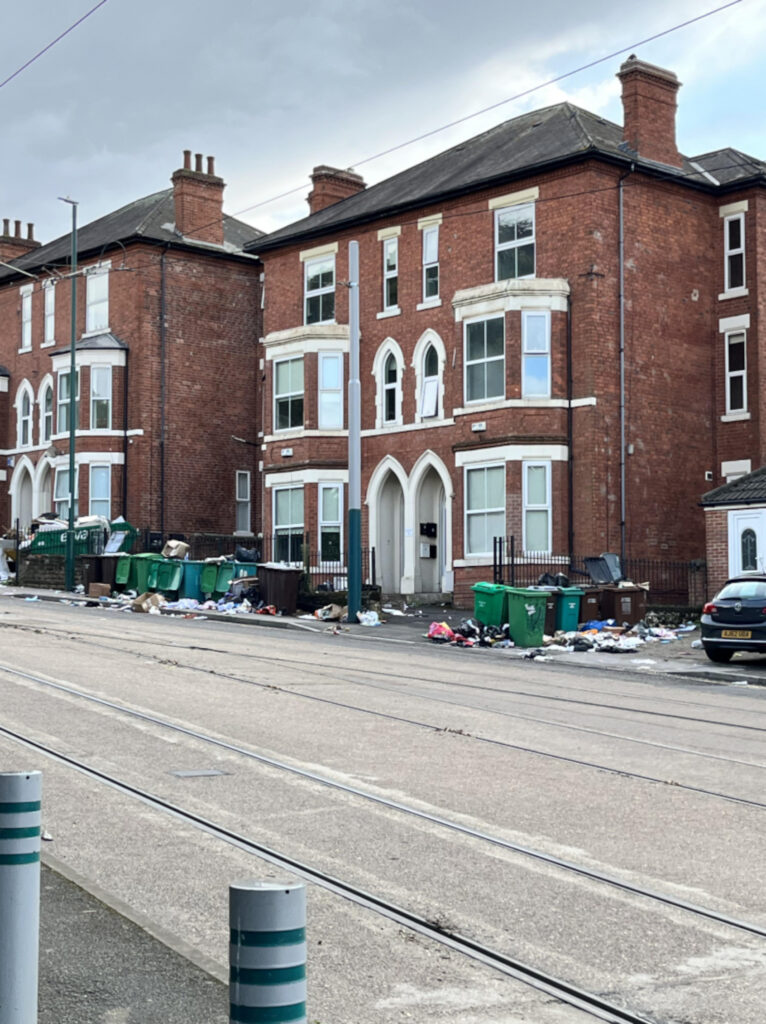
[
  {"x": 267, "y": 953},
  {"x": 20, "y": 794}
]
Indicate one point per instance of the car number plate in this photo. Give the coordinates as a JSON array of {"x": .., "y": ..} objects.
[{"x": 736, "y": 634}]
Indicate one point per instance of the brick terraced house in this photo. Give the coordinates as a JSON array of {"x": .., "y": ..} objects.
[
  {"x": 168, "y": 317},
  {"x": 561, "y": 331}
]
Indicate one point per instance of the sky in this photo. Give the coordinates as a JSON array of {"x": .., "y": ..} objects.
[{"x": 272, "y": 88}]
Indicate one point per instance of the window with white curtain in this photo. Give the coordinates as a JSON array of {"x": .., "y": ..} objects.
[
  {"x": 537, "y": 506},
  {"x": 330, "y": 390},
  {"x": 484, "y": 507},
  {"x": 100, "y": 494}
]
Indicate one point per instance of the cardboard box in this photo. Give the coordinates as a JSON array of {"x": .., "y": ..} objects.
[
  {"x": 99, "y": 590},
  {"x": 144, "y": 602},
  {"x": 175, "y": 549}
]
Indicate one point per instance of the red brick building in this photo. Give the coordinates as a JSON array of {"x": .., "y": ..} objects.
[
  {"x": 560, "y": 340},
  {"x": 168, "y": 317}
]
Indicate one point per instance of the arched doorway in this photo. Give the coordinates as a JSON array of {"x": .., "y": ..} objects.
[
  {"x": 389, "y": 543},
  {"x": 431, "y": 528},
  {"x": 24, "y": 498}
]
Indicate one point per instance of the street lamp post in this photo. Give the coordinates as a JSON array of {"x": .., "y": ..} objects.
[{"x": 69, "y": 584}]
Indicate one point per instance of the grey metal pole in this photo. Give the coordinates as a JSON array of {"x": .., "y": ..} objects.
[
  {"x": 20, "y": 802},
  {"x": 73, "y": 407},
  {"x": 354, "y": 440},
  {"x": 267, "y": 952}
]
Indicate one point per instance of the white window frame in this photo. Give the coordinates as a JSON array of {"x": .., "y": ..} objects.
[
  {"x": 527, "y": 506},
  {"x": 736, "y": 251},
  {"x": 390, "y": 387},
  {"x": 67, "y": 402},
  {"x": 334, "y": 524},
  {"x": 429, "y": 391},
  {"x": 242, "y": 506},
  {"x": 25, "y": 421},
  {"x": 529, "y": 355},
  {"x": 108, "y": 499},
  {"x": 472, "y": 362},
  {"x": 390, "y": 245},
  {"x": 290, "y": 529},
  {"x": 49, "y": 321},
  {"x": 46, "y": 416},
  {"x": 322, "y": 421},
  {"x": 516, "y": 208},
  {"x": 290, "y": 396},
  {"x": 62, "y": 473},
  {"x": 389, "y": 347},
  {"x": 100, "y": 398},
  {"x": 468, "y": 513},
  {"x": 96, "y": 305},
  {"x": 430, "y": 232},
  {"x": 26, "y": 317},
  {"x": 730, "y": 336},
  {"x": 318, "y": 292}
]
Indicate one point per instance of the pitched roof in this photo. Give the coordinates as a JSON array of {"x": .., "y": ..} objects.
[
  {"x": 746, "y": 490},
  {"x": 151, "y": 218},
  {"x": 520, "y": 146}
]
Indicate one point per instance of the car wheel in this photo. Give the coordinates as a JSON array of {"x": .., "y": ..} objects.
[{"x": 719, "y": 654}]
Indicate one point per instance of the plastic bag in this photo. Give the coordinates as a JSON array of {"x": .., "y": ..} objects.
[{"x": 440, "y": 632}]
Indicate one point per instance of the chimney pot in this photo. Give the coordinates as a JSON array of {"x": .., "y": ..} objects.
[
  {"x": 17, "y": 231},
  {"x": 187, "y": 159},
  {"x": 198, "y": 162},
  {"x": 211, "y": 165},
  {"x": 30, "y": 232},
  {"x": 6, "y": 226}
]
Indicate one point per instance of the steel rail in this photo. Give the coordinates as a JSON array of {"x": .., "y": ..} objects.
[
  {"x": 396, "y": 805},
  {"x": 557, "y": 988}
]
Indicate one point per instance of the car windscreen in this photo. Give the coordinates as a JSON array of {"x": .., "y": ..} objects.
[{"x": 743, "y": 590}]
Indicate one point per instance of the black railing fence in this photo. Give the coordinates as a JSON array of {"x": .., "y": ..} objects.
[{"x": 670, "y": 582}]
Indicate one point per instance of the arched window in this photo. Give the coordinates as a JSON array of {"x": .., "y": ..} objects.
[
  {"x": 429, "y": 395},
  {"x": 24, "y": 406},
  {"x": 749, "y": 550},
  {"x": 390, "y": 382},
  {"x": 47, "y": 414}
]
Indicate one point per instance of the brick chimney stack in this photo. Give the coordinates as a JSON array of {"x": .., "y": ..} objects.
[
  {"x": 331, "y": 185},
  {"x": 14, "y": 245},
  {"x": 649, "y": 105},
  {"x": 198, "y": 200}
]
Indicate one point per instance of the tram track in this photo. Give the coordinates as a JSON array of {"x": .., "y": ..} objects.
[
  {"x": 405, "y": 809},
  {"x": 590, "y": 1003}
]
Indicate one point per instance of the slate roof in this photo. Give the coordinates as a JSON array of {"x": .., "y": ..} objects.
[
  {"x": 99, "y": 342},
  {"x": 151, "y": 219},
  {"x": 519, "y": 147},
  {"x": 747, "y": 490}
]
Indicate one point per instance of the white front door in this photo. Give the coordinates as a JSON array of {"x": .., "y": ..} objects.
[{"x": 747, "y": 541}]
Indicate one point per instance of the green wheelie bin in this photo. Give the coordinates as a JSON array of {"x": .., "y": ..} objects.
[
  {"x": 490, "y": 603},
  {"x": 526, "y": 615}
]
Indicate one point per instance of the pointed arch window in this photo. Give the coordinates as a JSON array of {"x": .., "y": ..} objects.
[
  {"x": 47, "y": 414},
  {"x": 390, "y": 382},
  {"x": 25, "y": 420},
  {"x": 429, "y": 395}
]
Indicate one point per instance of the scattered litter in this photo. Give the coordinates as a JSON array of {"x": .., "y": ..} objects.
[
  {"x": 739, "y": 682},
  {"x": 697, "y": 645},
  {"x": 368, "y": 618},
  {"x": 33, "y": 598}
]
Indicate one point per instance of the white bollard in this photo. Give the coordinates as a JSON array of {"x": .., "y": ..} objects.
[
  {"x": 20, "y": 794},
  {"x": 267, "y": 953}
]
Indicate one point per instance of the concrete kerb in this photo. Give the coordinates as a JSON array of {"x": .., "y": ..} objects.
[{"x": 676, "y": 658}]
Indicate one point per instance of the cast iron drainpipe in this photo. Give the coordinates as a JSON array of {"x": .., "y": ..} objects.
[
  {"x": 570, "y": 470},
  {"x": 623, "y": 508},
  {"x": 125, "y": 437},
  {"x": 163, "y": 340}
]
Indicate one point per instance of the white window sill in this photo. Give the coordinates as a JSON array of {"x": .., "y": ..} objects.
[
  {"x": 394, "y": 311},
  {"x": 25, "y": 350},
  {"x": 317, "y": 323},
  {"x": 733, "y": 293},
  {"x": 48, "y": 344},
  {"x": 95, "y": 331},
  {"x": 423, "y": 425},
  {"x": 734, "y": 417},
  {"x": 429, "y": 303},
  {"x": 469, "y": 560}
]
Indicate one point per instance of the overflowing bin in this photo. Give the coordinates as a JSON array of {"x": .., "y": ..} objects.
[
  {"x": 526, "y": 615},
  {"x": 490, "y": 603},
  {"x": 191, "y": 584},
  {"x": 623, "y": 604}
]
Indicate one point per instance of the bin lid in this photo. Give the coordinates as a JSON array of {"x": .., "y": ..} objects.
[
  {"x": 572, "y": 591},
  {"x": 489, "y": 588},
  {"x": 528, "y": 592}
]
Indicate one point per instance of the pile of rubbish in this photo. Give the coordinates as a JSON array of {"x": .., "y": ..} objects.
[{"x": 603, "y": 635}]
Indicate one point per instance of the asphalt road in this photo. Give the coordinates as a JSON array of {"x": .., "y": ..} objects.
[{"x": 654, "y": 778}]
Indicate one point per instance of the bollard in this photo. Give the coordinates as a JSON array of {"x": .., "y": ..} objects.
[
  {"x": 267, "y": 954},
  {"x": 19, "y": 895}
]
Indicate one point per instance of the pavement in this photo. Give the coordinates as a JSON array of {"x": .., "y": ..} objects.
[{"x": 100, "y": 967}]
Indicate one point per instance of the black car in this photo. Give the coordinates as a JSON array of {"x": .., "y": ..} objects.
[{"x": 735, "y": 620}]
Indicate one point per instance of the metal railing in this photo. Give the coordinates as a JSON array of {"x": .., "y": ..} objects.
[{"x": 670, "y": 582}]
